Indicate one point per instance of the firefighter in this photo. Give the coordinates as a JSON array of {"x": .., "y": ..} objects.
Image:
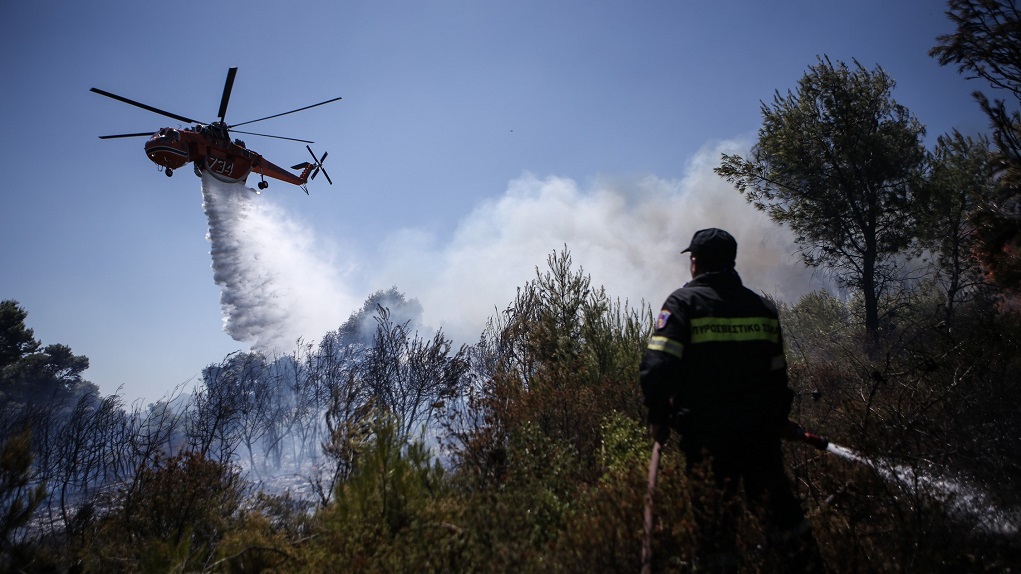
[{"x": 714, "y": 372}]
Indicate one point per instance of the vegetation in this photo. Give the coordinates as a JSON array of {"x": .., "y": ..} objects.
[
  {"x": 534, "y": 458},
  {"x": 527, "y": 451},
  {"x": 985, "y": 46},
  {"x": 835, "y": 161}
]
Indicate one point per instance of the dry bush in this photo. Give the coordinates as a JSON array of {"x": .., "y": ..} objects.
[{"x": 171, "y": 517}]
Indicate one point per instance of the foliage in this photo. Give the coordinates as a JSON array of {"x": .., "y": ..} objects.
[
  {"x": 18, "y": 497},
  {"x": 348, "y": 420},
  {"x": 959, "y": 183},
  {"x": 398, "y": 372},
  {"x": 564, "y": 355},
  {"x": 541, "y": 458},
  {"x": 255, "y": 544},
  {"x": 229, "y": 407},
  {"x": 361, "y": 326},
  {"x": 30, "y": 372},
  {"x": 985, "y": 46},
  {"x": 171, "y": 517},
  {"x": 16, "y": 339},
  {"x": 835, "y": 161},
  {"x": 383, "y": 498},
  {"x": 407, "y": 374}
]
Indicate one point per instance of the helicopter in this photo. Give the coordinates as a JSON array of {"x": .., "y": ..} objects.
[{"x": 210, "y": 148}]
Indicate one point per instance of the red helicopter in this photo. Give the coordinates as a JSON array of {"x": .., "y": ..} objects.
[{"x": 210, "y": 147}]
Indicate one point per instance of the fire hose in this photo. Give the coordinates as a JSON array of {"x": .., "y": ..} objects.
[{"x": 661, "y": 434}]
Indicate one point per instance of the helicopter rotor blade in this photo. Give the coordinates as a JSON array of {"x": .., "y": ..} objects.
[
  {"x": 271, "y": 136},
  {"x": 283, "y": 114},
  {"x": 138, "y": 135},
  {"x": 145, "y": 107},
  {"x": 227, "y": 87}
]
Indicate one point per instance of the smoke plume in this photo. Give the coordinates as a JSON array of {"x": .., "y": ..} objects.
[{"x": 626, "y": 234}]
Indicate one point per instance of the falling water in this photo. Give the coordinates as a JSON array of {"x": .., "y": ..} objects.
[
  {"x": 277, "y": 282},
  {"x": 961, "y": 498}
]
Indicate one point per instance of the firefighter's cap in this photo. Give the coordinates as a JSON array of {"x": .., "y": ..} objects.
[{"x": 713, "y": 245}]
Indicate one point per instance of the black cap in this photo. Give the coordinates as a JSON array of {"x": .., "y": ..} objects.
[{"x": 713, "y": 245}]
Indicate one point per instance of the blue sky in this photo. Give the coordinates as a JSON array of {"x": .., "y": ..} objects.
[{"x": 473, "y": 139}]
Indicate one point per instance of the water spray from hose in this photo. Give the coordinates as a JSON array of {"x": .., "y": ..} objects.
[{"x": 962, "y": 499}]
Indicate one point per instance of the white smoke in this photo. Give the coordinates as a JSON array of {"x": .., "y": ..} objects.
[
  {"x": 277, "y": 283},
  {"x": 626, "y": 234}
]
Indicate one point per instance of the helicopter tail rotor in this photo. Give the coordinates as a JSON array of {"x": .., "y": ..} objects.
[
  {"x": 319, "y": 165},
  {"x": 311, "y": 169}
]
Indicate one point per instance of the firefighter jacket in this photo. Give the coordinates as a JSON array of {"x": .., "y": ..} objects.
[{"x": 715, "y": 363}]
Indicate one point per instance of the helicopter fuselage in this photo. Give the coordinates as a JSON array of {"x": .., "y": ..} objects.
[{"x": 227, "y": 161}]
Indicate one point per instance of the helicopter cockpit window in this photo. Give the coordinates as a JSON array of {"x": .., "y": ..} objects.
[{"x": 169, "y": 133}]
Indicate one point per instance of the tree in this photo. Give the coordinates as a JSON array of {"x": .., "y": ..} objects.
[
  {"x": 16, "y": 339},
  {"x": 958, "y": 184},
  {"x": 408, "y": 375},
  {"x": 348, "y": 426},
  {"x": 214, "y": 428},
  {"x": 561, "y": 358},
  {"x": 834, "y": 161},
  {"x": 81, "y": 454},
  {"x": 18, "y": 496},
  {"x": 361, "y": 326},
  {"x": 252, "y": 395},
  {"x": 30, "y": 372},
  {"x": 987, "y": 45}
]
